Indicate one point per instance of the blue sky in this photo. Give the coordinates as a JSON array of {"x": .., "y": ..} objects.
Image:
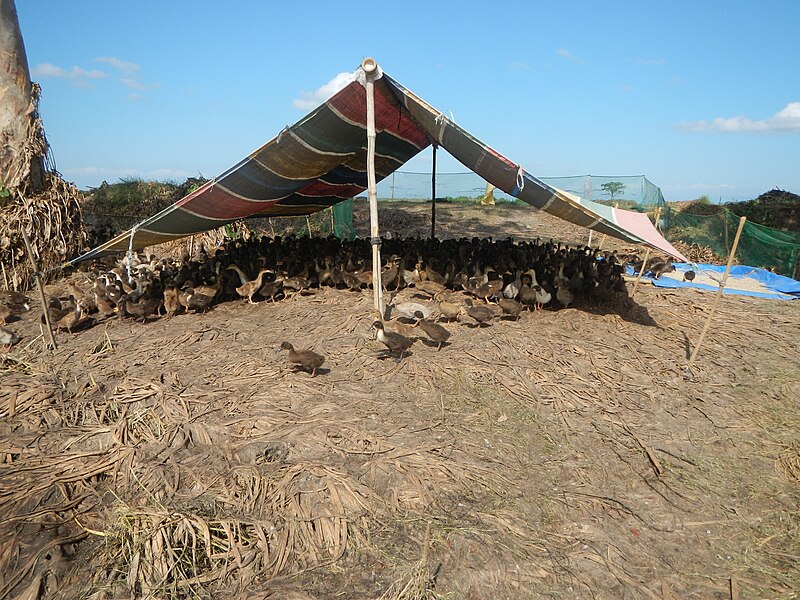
[{"x": 702, "y": 97}]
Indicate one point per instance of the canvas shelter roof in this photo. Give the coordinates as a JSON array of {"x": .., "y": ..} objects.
[{"x": 322, "y": 160}]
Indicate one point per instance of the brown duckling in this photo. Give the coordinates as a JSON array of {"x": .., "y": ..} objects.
[
  {"x": 6, "y": 313},
  {"x": 11, "y": 304},
  {"x": 210, "y": 290},
  {"x": 429, "y": 287},
  {"x": 103, "y": 305},
  {"x": 71, "y": 319},
  {"x": 12, "y": 297},
  {"x": 142, "y": 309},
  {"x": 394, "y": 342},
  {"x": 8, "y": 338},
  {"x": 305, "y": 359},
  {"x": 248, "y": 289},
  {"x": 486, "y": 291},
  {"x": 351, "y": 281},
  {"x": 448, "y": 310},
  {"x": 659, "y": 267},
  {"x": 271, "y": 289},
  {"x": 563, "y": 293},
  {"x": 436, "y": 332},
  {"x": 172, "y": 302},
  {"x": 481, "y": 313},
  {"x": 527, "y": 296},
  {"x": 191, "y": 299},
  {"x": 510, "y": 307}
]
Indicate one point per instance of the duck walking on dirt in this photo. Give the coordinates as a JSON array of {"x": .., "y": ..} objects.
[
  {"x": 394, "y": 342},
  {"x": 436, "y": 332},
  {"x": 304, "y": 359}
]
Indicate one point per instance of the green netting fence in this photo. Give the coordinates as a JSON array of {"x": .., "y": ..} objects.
[
  {"x": 342, "y": 215},
  {"x": 630, "y": 192},
  {"x": 759, "y": 246}
]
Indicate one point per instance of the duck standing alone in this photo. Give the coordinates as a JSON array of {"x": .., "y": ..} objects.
[{"x": 304, "y": 359}]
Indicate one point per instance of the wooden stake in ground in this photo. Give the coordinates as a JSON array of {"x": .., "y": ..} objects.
[
  {"x": 308, "y": 224},
  {"x": 39, "y": 285},
  {"x": 589, "y": 243},
  {"x": 433, "y": 195},
  {"x": 333, "y": 229},
  {"x": 639, "y": 277},
  {"x": 720, "y": 291},
  {"x": 646, "y": 256},
  {"x": 370, "y": 67}
]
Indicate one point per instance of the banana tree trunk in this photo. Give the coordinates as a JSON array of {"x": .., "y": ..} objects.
[{"x": 22, "y": 142}]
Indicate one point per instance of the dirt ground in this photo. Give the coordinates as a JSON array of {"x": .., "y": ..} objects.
[{"x": 569, "y": 454}]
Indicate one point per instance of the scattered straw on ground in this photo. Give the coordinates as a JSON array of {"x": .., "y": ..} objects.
[{"x": 569, "y": 454}]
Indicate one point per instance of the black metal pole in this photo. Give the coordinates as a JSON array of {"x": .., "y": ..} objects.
[{"x": 433, "y": 196}]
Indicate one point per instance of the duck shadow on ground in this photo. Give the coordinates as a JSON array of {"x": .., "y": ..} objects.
[
  {"x": 432, "y": 344},
  {"x": 628, "y": 310},
  {"x": 320, "y": 371}
]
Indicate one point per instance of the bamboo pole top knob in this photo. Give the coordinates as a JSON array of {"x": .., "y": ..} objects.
[{"x": 369, "y": 65}]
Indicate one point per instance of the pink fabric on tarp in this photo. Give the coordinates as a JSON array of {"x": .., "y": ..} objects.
[{"x": 639, "y": 225}]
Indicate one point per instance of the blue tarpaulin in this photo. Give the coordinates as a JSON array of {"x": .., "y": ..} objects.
[{"x": 780, "y": 287}]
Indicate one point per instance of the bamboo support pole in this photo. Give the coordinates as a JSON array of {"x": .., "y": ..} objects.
[
  {"x": 308, "y": 224},
  {"x": 370, "y": 67},
  {"x": 720, "y": 291},
  {"x": 646, "y": 257},
  {"x": 589, "y": 243},
  {"x": 40, "y": 286},
  {"x": 433, "y": 195},
  {"x": 333, "y": 228},
  {"x": 641, "y": 271},
  {"x": 657, "y": 216}
]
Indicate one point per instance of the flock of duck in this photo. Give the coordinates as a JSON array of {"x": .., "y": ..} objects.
[{"x": 476, "y": 280}]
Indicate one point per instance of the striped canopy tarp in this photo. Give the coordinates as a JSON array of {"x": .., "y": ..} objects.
[{"x": 322, "y": 160}]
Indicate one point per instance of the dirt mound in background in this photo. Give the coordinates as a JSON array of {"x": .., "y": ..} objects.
[{"x": 776, "y": 208}]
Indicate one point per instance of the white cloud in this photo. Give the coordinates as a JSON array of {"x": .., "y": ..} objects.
[
  {"x": 120, "y": 65},
  {"x": 310, "y": 100},
  {"x": 786, "y": 120},
  {"x": 48, "y": 70},
  {"x": 82, "y": 78},
  {"x": 519, "y": 66},
  {"x": 564, "y": 53},
  {"x": 132, "y": 83},
  {"x": 76, "y": 74}
]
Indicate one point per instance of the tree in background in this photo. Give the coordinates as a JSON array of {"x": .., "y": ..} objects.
[
  {"x": 613, "y": 188},
  {"x": 32, "y": 193}
]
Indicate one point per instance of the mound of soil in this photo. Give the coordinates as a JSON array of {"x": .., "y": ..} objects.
[{"x": 776, "y": 208}]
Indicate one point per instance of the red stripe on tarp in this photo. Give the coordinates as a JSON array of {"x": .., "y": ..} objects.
[
  {"x": 320, "y": 188},
  {"x": 351, "y": 103},
  {"x": 639, "y": 225},
  {"x": 216, "y": 203}
]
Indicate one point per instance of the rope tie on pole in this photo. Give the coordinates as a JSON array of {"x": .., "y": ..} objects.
[
  {"x": 280, "y": 135},
  {"x": 441, "y": 120},
  {"x": 129, "y": 255},
  {"x": 521, "y": 179}
]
